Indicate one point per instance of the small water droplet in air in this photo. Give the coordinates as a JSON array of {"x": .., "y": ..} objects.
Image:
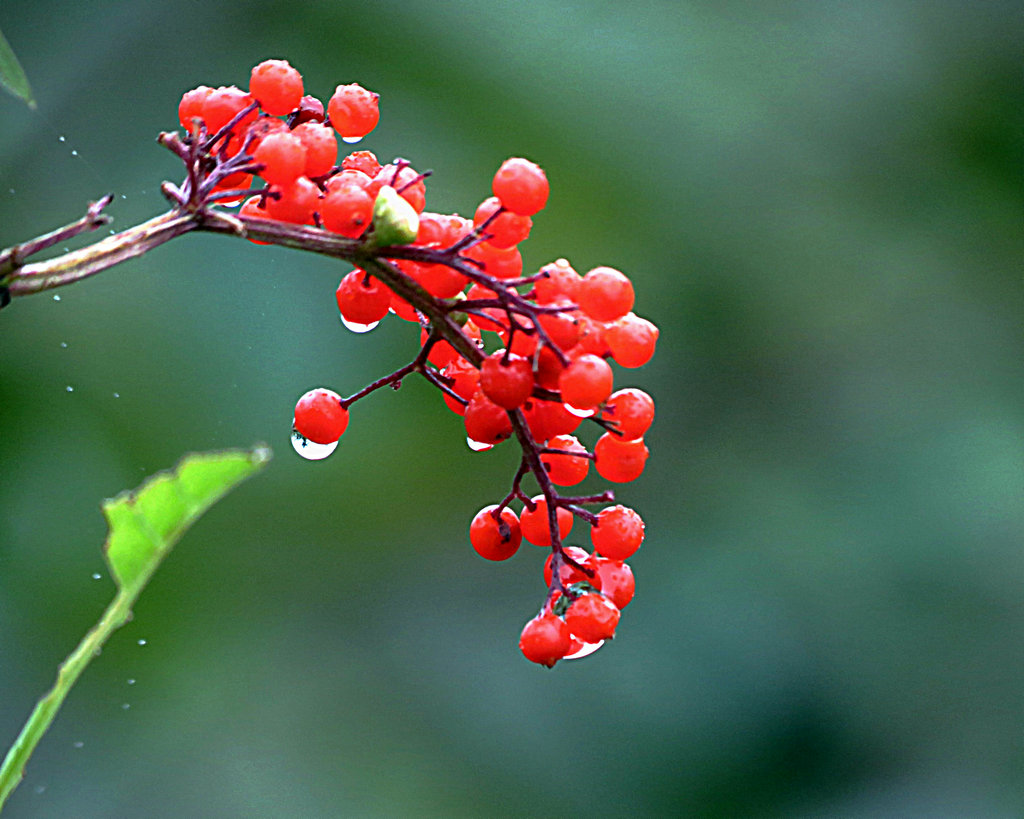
[
  {"x": 141, "y": 642},
  {"x": 96, "y": 575},
  {"x": 11, "y": 190},
  {"x": 61, "y": 138},
  {"x": 310, "y": 450},
  {"x": 585, "y": 650},
  {"x": 40, "y": 788},
  {"x": 358, "y": 328},
  {"x": 580, "y": 413},
  {"x": 63, "y": 345},
  {"x": 131, "y": 681},
  {"x": 126, "y": 706},
  {"x": 79, "y": 744},
  {"x": 352, "y": 140},
  {"x": 123, "y": 196},
  {"x": 117, "y": 395},
  {"x": 56, "y": 298},
  {"x": 478, "y": 446},
  {"x": 74, "y": 152},
  {"x": 69, "y": 388}
]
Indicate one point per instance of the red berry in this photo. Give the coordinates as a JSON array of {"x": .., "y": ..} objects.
[
  {"x": 486, "y": 422},
  {"x": 569, "y": 573},
  {"x": 631, "y": 410},
  {"x": 364, "y": 161},
  {"x": 632, "y": 340},
  {"x": 548, "y": 419},
  {"x": 521, "y": 186},
  {"x": 535, "y": 525},
  {"x": 362, "y": 299},
  {"x": 321, "y": 147},
  {"x": 465, "y": 382},
  {"x": 320, "y": 417},
  {"x": 310, "y": 110},
  {"x": 506, "y": 380},
  {"x": 619, "y": 461},
  {"x": 617, "y": 582},
  {"x": 586, "y": 382},
  {"x": 605, "y": 294},
  {"x": 562, "y": 328},
  {"x": 406, "y": 181},
  {"x": 283, "y": 156},
  {"x": 618, "y": 533},
  {"x": 592, "y": 618},
  {"x": 545, "y": 640},
  {"x": 566, "y": 469},
  {"x": 222, "y": 104},
  {"x": 506, "y": 229},
  {"x": 191, "y": 106},
  {"x": 348, "y": 210},
  {"x": 561, "y": 280},
  {"x": 353, "y": 111},
  {"x": 277, "y": 86},
  {"x": 491, "y": 539},
  {"x": 298, "y": 200},
  {"x": 348, "y": 177},
  {"x": 501, "y": 263}
]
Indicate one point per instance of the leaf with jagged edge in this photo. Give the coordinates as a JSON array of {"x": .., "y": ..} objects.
[
  {"x": 146, "y": 522},
  {"x": 12, "y": 75}
]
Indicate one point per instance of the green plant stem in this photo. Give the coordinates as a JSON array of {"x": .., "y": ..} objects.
[{"x": 116, "y": 615}]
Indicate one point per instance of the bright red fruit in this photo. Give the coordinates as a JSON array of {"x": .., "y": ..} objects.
[
  {"x": 277, "y": 86},
  {"x": 631, "y": 340},
  {"x": 618, "y": 533},
  {"x": 486, "y": 422},
  {"x": 586, "y": 382},
  {"x": 545, "y": 640},
  {"x": 320, "y": 417},
  {"x": 491, "y": 539},
  {"x": 534, "y": 522},
  {"x": 566, "y": 469},
  {"x": 506, "y": 380},
  {"x": 353, "y": 111},
  {"x": 362, "y": 299},
  {"x": 592, "y": 618},
  {"x": 605, "y": 294},
  {"x": 631, "y": 410},
  {"x": 619, "y": 461},
  {"x": 521, "y": 186},
  {"x": 617, "y": 582},
  {"x": 283, "y": 156}
]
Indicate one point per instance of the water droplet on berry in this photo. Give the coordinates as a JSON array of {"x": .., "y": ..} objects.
[
  {"x": 580, "y": 413},
  {"x": 352, "y": 140},
  {"x": 478, "y": 446},
  {"x": 585, "y": 651},
  {"x": 310, "y": 450},
  {"x": 358, "y": 328}
]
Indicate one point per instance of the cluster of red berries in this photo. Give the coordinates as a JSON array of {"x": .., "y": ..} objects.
[{"x": 551, "y": 334}]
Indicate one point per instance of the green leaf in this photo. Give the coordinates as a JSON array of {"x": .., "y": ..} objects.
[
  {"x": 147, "y": 522},
  {"x": 12, "y": 75}
]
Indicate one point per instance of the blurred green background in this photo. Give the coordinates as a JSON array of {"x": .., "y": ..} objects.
[{"x": 819, "y": 203}]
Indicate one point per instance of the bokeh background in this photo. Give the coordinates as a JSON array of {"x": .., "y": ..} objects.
[{"x": 819, "y": 203}]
